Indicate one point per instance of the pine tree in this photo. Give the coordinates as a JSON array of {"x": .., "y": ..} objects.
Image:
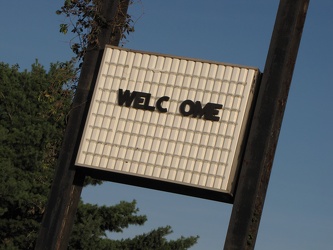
[{"x": 33, "y": 113}]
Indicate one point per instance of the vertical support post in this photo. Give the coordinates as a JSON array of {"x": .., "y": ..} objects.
[
  {"x": 266, "y": 124},
  {"x": 66, "y": 189}
]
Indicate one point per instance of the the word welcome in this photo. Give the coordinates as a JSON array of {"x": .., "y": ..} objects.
[{"x": 141, "y": 100}]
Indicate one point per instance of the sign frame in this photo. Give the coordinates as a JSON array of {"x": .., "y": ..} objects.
[{"x": 167, "y": 185}]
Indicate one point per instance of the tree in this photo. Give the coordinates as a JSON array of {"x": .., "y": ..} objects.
[
  {"x": 33, "y": 113},
  {"x": 85, "y": 21},
  {"x": 32, "y": 117}
]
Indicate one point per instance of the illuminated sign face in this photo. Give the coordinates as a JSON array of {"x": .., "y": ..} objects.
[{"x": 176, "y": 121}]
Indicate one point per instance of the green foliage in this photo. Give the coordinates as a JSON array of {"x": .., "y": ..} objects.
[
  {"x": 155, "y": 240},
  {"x": 85, "y": 21},
  {"x": 33, "y": 113},
  {"x": 94, "y": 221}
]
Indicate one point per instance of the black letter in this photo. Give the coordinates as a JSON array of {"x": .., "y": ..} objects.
[
  {"x": 147, "y": 107},
  {"x": 198, "y": 110},
  {"x": 138, "y": 101},
  {"x": 141, "y": 101},
  {"x": 159, "y": 106},
  {"x": 183, "y": 105},
  {"x": 211, "y": 110},
  {"x": 126, "y": 97}
]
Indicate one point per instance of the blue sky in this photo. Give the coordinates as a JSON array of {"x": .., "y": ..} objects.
[{"x": 299, "y": 202}]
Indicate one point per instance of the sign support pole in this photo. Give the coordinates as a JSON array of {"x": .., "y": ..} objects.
[
  {"x": 66, "y": 189},
  {"x": 266, "y": 124}
]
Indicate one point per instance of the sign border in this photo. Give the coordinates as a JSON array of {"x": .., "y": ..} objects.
[{"x": 169, "y": 186}]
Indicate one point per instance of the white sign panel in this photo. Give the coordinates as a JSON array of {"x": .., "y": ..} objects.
[{"x": 171, "y": 119}]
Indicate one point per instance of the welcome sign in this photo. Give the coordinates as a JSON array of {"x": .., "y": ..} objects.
[{"x": 169, "y": 123}]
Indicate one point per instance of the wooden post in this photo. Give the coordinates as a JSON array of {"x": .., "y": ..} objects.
[
  {"x": 266, "y": 124},
  {"x": 68, "y": 182}
]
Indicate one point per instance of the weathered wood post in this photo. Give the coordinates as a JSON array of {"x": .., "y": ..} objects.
[
  {"x": 68, "y": 182},
  {"x": 266, "y": 124}
]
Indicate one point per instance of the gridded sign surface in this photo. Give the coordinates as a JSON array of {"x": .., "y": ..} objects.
[{"x": 170, "y": 119}]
